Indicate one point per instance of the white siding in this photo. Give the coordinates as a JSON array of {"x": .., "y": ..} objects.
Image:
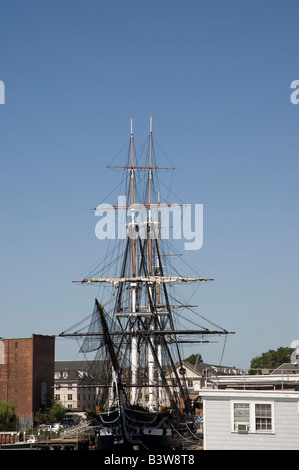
[
  {"x": 287, "y": 424},
  {"x": 218, "y": 434}
]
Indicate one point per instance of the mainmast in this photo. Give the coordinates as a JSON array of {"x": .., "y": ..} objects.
[
  {"x": 132, "y": 201},
  {"x": 134, "y": 341},
  {"x": 151, "y": 359},
  {"x": 150, "y": 200}
]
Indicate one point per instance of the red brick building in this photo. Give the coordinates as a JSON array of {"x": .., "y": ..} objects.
[{"x": 27, "y": 372}]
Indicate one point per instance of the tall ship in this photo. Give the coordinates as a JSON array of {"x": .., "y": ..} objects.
[{"x": 139, "y": 324}]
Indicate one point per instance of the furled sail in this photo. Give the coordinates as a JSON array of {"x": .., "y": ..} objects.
[{"x": 94, "y": 339}]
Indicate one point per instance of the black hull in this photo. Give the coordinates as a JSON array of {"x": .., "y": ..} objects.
[
  {"x": 146, "y": 443},
  {"x": 137, "y": 430}
]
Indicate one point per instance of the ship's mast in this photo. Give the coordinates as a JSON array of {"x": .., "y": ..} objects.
[
  {"x": 132, "y": 201},
  {"x": 147, "y": 333},
  {"x": 150, "y": 200},
  {"x": 134, "y": 345},
  {"x": 151, "y": 360}
]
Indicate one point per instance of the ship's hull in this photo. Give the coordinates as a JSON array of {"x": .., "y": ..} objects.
[
  {"x": 147, "y": 440},
  {"x": 131, "y": 430}
]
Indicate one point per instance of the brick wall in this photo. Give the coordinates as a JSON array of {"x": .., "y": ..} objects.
[
  {"x": 43, "y": 370},
  {"x": 26, "y": 370}
]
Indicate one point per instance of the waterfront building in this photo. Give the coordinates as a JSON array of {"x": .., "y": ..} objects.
[
  {"x": 250, "y": 419},
  {"x": 77, "y": 384},
  {"x": 27, "y": 372}
]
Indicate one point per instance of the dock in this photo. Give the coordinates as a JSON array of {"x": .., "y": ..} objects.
[{"x": 50, "y": 444}]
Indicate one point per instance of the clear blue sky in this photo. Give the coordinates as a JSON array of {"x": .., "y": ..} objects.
[{"x": 217, "y": 75}]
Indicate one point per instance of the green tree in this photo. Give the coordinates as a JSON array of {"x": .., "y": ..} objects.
[
  {"x": 53, "y": 412},
  {"x": 271, "y": 359},
  {"x": 194, "y": 359},
  {"x": 7, "y": 416}
]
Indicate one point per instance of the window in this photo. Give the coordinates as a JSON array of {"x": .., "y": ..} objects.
[
  {"x": 70, "y": 397},
  {"x": 2, "y": 358},
  {"x": 263, "y": 417},
  {"x": 252, "y": 417},
  {"x": 44, "y": 393},
  {"x": 241, "y": 417}
]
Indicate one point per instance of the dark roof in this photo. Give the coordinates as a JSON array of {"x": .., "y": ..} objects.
[
  {"x": 287, "y": 368},
  {"x": 81, "y": 370},
  {"x": 203, "y": 368}
]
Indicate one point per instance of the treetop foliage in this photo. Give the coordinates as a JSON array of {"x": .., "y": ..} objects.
[{"x": 271, "y": 359}]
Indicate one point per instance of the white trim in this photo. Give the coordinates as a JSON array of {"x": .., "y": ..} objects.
[
  {"x": 285, "y": 377},
  {"x": 204, "y": 424},
  {"x": 252, "y": 416},
  {"x": 232, "y": 413},
  {"x": 258, "y": 394}
]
